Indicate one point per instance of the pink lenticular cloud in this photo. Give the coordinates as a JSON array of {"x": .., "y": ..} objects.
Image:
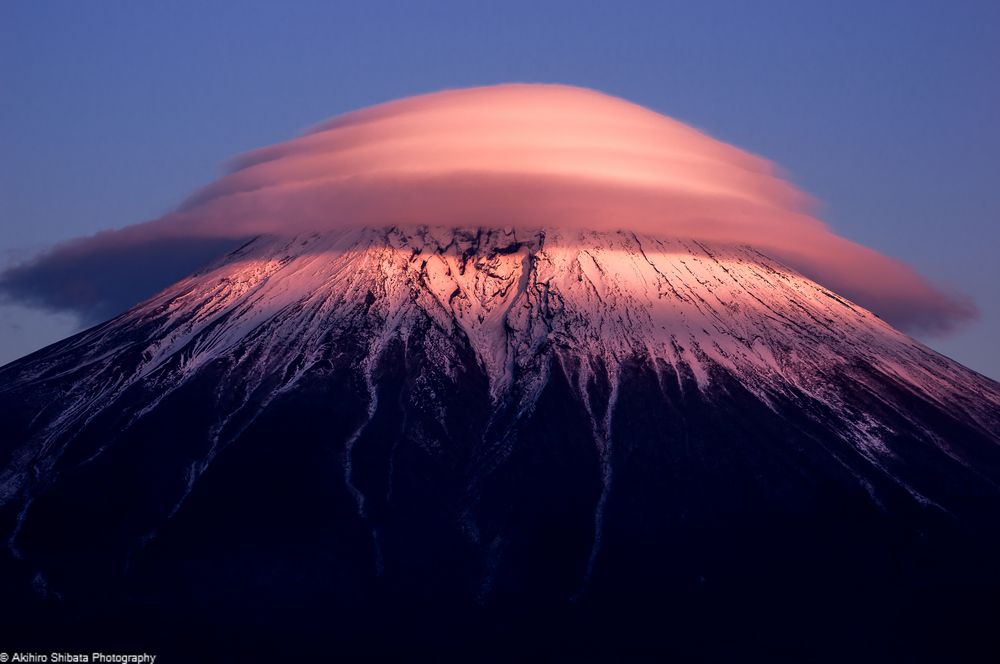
[{"x": 539, "y": 156}]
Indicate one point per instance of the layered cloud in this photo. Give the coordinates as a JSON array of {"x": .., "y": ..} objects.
[{"x": 532, "y": 156}]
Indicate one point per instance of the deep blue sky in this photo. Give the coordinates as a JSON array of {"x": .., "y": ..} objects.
[{"x": 112, "y": 112}]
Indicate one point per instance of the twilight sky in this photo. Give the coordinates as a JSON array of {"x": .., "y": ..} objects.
[{"x": 115, "y": 112}]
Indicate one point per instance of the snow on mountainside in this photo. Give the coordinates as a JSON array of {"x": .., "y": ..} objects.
[
  {"x": 274, "y": 308},
  {"x": 457, "y": 394}
]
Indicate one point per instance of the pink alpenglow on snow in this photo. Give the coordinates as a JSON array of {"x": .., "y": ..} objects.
[{"x": 529, "y": 156}]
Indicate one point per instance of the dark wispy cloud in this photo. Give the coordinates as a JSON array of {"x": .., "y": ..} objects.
[{"x": 98, "y": 277}]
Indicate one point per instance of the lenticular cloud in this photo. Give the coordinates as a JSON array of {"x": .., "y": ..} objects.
[{"x": 531, "y": 156}]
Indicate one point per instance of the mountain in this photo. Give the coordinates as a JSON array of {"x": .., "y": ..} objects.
[{"x": 388, "y": 440}]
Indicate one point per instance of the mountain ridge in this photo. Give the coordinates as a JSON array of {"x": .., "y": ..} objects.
[{"x": 488, "y": 415}]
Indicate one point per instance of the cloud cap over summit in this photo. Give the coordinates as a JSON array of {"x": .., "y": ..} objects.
[{"x": 519, "y": 155}]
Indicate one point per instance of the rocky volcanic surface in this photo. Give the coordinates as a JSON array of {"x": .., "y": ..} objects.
[{"x": 392, "y": 439}]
